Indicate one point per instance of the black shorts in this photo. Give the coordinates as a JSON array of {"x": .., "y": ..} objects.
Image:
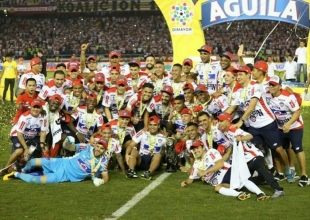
[
  {"x": 268, "y": 134},
  {"x": 293, "y": 137}
]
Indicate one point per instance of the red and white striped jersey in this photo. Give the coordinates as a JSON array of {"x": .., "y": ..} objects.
[
  {"x": 208, "y": 161},
  {"x": 208, "y": 75},
  {"x": 87, "y": 122},
  {"x": 116, "y": 102},
  {"x": 134, "y": 105},
  {"x": 160, "y": 110},
  {"x": 40, "y": 79},
  {"x": 283, "y": 107},
  {"x": 250, "y": 151},
  {"x": 149, "y": 144},
  {"x": 262, "y": 114},
  {"x": 30, "y": 126}
]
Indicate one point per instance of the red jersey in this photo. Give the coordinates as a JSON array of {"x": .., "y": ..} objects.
[{"x": 24, "y": 99}]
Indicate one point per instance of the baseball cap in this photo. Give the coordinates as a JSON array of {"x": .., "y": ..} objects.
[
  {"x": 186, "y": 111},
  {"x": 196, "y": 144},
  {"x": 134, "y": 62},
  {"x": 61, "y": 64},
  {"x": 245, "y": 69},
  {"x": 261, "y": 65},
  {"x": 121, "y": 81},
  {"x": 188, "y": 61},
  {"x": 224, "y": 116},
  {"x": 92, "y": 96},
  {"x": 201, "y": 88},
  {"x": 35, "y": 61},
  {"x": 227, "y": 54},
  {"x": 154, "y": 119},
  {"x": 114, "y": 53},
  {"x": 77, "y": 82},
  {"x": 103, "y": 143},
  {"x": 124, "y": 113},
  {"x": 275, "y": 80},
  {"x": 92, "y": 58},
  {"x": 104, "y": 126},
  {"x": 205, "y": 48},
  {"x": 99, "y": 77},
  {"x": 117, "y": 68},
  {"x": 56, "y": 97},
  {"x": 167, "y": 89},
  {"x": 36, "y": 102},
  {"x": 74, "y": 69},
  {"x": 188, "y": 86},
  {"x": 230, "y": 69},
  {"x": 20, "y": 59}
]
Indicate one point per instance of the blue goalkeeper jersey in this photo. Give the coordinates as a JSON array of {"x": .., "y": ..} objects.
[{"x": 78, "y": 167}]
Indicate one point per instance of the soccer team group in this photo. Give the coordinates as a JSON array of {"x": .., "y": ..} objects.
[{"x": 193, "y": 119}]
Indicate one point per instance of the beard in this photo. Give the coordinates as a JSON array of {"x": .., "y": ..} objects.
[{"x": 149, "y": 66}]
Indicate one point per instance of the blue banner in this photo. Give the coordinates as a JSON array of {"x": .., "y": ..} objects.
[{"x": 219, "y": 11}]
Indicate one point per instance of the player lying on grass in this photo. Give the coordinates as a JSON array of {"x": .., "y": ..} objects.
[
  {"x": 86, "y": 163},
  {"x": 211, "y": 169}
]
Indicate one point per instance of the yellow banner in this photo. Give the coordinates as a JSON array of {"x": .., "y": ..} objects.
[{"x": 186, "y": 33}]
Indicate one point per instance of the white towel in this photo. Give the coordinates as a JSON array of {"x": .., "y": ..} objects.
[
  {"x": 55, "y": 129},
  {"x": 239, "y": 170}
]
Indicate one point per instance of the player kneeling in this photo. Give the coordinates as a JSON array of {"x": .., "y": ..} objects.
[
  {"x": 86, "y": 163},
  {"x": 211, "y": 169}
]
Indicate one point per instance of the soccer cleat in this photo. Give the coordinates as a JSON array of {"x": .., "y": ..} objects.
[
  {"x": 290, "y": 176},
  {"x": 304, "y": 181},
  {"x": 273, "y": 171},
  {"x": 243, "y": 196},
  {"x": 146, "y": 175},
  {"x": 262, "y": 196},
  {"x": 131, "y": 174},
  {"x": 279, "y": 177},
  {"x": 9, "y": 176},
  {"x": 277, "y": 194},
  {"x": 4, "y": 172}
]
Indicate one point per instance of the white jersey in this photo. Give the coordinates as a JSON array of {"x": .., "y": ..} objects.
[
  {"x": 137, "y": 107},
  {"x": 30, "y": 126},
  {"x": 262, "y": 114},
  {"x": 283, "y": 107},
  {"x": 208, "y": 75},
  {"x": 142, "y": 79},
  {"x": 216, "y": 105},
  {"x": 250, "y": 151},
  {"x": 116, "y": 102},
  {"x": 69, "y": 102},
  {"x": 87, "y": 122},
  {"x": 208, "y": 161},
  {"x": 121, "y": 133},
  {"x": 159, "y": 84},
  {"x": 50, "y": 89},
  {"x": 124, "y": 69},
  {"x": 161, "y": 111},
  {"x": 40, "y": 80},
  {"x": 149, "y": 144},
  {"x": 21, "y": 69}
]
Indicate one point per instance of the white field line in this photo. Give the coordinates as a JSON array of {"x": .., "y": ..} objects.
[{"x": 139, "y": 196}]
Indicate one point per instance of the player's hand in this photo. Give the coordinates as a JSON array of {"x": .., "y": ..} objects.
[
  {"x": 26, "y": 152},
  {"x": 84, "y": 47},
  {"x": 286, "y": 128},
  {"x": 238, "y": 138},
  {"x": 184, "y": 184},
  {"x": 81, "y": 138},
  {"x": 98, "y": 181},
  {"x": 240, "y": 51}
]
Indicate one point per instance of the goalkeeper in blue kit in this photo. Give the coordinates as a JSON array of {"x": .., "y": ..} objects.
[{"x": 87, "y": 162}]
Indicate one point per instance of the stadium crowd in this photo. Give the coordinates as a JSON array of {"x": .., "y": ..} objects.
[
  {"x": 144, "y": 32},
  {"x": 197, "y": 119}
]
